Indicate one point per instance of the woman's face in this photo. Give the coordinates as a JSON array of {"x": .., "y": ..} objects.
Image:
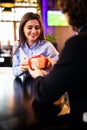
[{"x": 32, "y": 31}]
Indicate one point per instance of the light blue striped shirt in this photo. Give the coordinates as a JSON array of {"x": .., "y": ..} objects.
[{"x": 42, "y": 47}]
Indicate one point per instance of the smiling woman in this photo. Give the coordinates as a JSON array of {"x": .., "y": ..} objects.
[{"x": 31, "y": 42}]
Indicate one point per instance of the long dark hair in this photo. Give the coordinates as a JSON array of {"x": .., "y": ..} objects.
[{"x": 29, "y": 16}]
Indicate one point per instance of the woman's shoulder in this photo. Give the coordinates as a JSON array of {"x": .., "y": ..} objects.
[
  {"x": 15, "y": 46},
  {"x": 16, "y": 43},
  {"x": 45, "y": 42},
  {"x": 48, "y": 44}
]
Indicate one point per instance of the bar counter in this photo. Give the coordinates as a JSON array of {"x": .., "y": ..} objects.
[{"x": 18, "y": 110}]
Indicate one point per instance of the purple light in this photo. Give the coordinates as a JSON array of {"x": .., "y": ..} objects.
[{"x": 44, "y": 14}]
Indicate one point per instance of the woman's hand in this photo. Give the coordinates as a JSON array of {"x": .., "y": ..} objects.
[{"x": 24, "y": 64}]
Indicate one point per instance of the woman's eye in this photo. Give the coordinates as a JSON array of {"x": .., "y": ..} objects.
[
  {"x": 29, "y": 27},
  {"x": 37, "y": 28}
]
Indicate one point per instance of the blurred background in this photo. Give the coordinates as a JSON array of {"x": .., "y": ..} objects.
[{"x": 56, "y": 27}]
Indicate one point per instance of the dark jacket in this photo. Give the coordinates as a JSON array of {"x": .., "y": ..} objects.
[{"x": 69, "y": 74}]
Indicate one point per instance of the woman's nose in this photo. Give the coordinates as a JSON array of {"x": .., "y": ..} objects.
[{"x": 33, "y": 29}]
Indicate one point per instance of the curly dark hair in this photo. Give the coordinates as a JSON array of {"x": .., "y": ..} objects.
[{"x": 76, "y": 11}]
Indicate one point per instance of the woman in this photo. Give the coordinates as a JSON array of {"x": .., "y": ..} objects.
[
  {"x": 70, "y": 72},
  {"x": 31, "y": 42}
]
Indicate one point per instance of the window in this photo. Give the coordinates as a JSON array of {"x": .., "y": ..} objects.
[
  {"x": 9, "y": 23},
  {"x": 6, "y": 32}
]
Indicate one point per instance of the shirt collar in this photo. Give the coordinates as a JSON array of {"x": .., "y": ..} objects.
[
  {"x": 32, "y": 46},
  {"x": 82, "y": 28}
]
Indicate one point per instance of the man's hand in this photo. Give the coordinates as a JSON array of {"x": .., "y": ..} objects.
[{"x": 35, "y": 72}]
